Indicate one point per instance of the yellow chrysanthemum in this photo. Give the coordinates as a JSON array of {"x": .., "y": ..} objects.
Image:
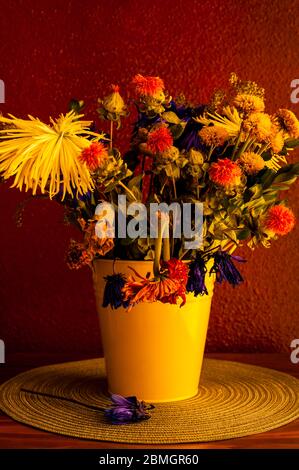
[
  {"x": 45, "y": 157},
  {"x": 229, "y": 120},
  {"x": 213, "y": 135},
  {"x": 288, "y": 122},
  {"x": 251, "y": 163},
  {"x": 259, "y": 126},
  {"x": 249, "y": 103},
  {"x": 276, "y": 139}
]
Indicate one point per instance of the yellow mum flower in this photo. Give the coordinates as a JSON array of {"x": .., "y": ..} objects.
[
  {"x": 251, "y": 162},
  {"x": 288, "y": 122},
  {"x": 276, "y": 139},
  {"x": 249, "y": 103},
  {"x": 213, "y": 135},
  {"x": 229, "y": 120},
  {"x": 46, "y": 157},
  {"x": 258, "y": 125}
]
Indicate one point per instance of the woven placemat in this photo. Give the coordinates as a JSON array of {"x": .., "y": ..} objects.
[{"x": 234, "y": 400}]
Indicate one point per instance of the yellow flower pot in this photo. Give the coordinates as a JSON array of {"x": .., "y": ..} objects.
[{"x": 155, "y": 351}]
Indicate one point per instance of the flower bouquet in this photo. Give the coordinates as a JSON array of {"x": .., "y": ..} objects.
[{"x": 160, "y": 223}]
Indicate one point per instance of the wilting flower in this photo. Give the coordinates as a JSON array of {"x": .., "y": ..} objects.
[
  {"x": 196, "y": 279},
  {"x": 163, "y": 289},
  {"x": 159, "y": 139},
  {"x": 279, "y": 220},
  {"x": 94, "y": 156},
  {"x": 176, "y": 269},
  {"x": 225, "y": 269},
  {"x": 249, "y": 103},
  {"x": 77, "y": 255},
  {"x": 288, "y": 122},
  {"x": 127, "y": 410},
  {"x": 45, "y": 157},
  {"x": 96, "y": 245},
  {"x": 258, "y": 125},
  {"x": 251, "y": 162},
  {"x": 225, "y": 172},
  {"x": 113, "y": 294},
  {"x": 213, "y": 135},
  {"x": 148, "y": 86}
]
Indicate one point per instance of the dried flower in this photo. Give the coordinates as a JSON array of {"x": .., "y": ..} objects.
[
  {"x": 96, "y": 245},
  {"x": 159, "y": 139},
  {"x": 77, "y": 255},
  {"x": 196, "y": 279},
  {"x": 225, "y": 269},
  {"x": 176, "y": 269},
  {"x": 94, "y": 156},
  {"x": 248, "y": 103},
  {"x": 288, "y": 122},
  {"x": 225, "y": 172},
  {"x": 213, "y": 135},
  {"x": 161, "y": 289},
  {"x": 279, "y": 220},
  {"x": 127, "y": 410},
  {"x": 251, "y": 162},
  {"x": 113, "y": 294}
]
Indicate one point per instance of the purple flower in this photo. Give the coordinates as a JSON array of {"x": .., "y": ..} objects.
[
  {"x": 113, "y": 294},
  {"x": 225, "y": 269},
  {"x": 196, "y": 277},
  {"x": 127, "y": 410}
]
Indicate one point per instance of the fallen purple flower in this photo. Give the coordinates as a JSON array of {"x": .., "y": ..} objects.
[{"x": 127, "y": 410}]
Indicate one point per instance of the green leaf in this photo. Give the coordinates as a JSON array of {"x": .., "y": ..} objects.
[
  {"x": 171, "y": 117},
  {"x": 243, "y": 234},
  {"x": 291, "y": 143},
  {"x": 176, "y": 130}
]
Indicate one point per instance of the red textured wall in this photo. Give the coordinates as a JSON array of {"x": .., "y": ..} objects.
[{"x": 53, "y": 50}]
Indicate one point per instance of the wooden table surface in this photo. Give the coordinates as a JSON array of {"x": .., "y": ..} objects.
[{"x": 18, "y": 436}]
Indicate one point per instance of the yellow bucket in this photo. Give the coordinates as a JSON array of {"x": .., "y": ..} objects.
[{"x": 155, "y": 351}]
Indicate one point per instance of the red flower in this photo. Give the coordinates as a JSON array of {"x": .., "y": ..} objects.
[
  {"x": 225, "y": 172},
  {"x": 159, "y": 140},
  {"x": 94, "y": 156},
  {"x": 148, "y": 85},
  {"x": 279, "y": 220},
  {"x": 177, "y": 270}
]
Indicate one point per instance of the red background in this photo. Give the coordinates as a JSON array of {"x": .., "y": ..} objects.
[{"x": 53, "y": 50}]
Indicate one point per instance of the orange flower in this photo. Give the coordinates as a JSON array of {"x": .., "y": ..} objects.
[
  {"x": 151, "y": 290},
  {"x": 148, "y": 86},
  {"x": 94, "y": 156},
  {"x": 225, "y": 172},
  {"x": 279, "y": 219},
  {"x": 159, "y": 139}
]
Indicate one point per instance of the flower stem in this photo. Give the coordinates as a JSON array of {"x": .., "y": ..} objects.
[
  {"x": 127, "y": 190},
  {"x": 111, "y": 135},
  {"x": 236, "y": 146},
  {"x": 158, "y": 247},
  {"x": 166, "y": 249}
]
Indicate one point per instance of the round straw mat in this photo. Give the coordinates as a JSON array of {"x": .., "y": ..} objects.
[{"x": 234, "y": 400}]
